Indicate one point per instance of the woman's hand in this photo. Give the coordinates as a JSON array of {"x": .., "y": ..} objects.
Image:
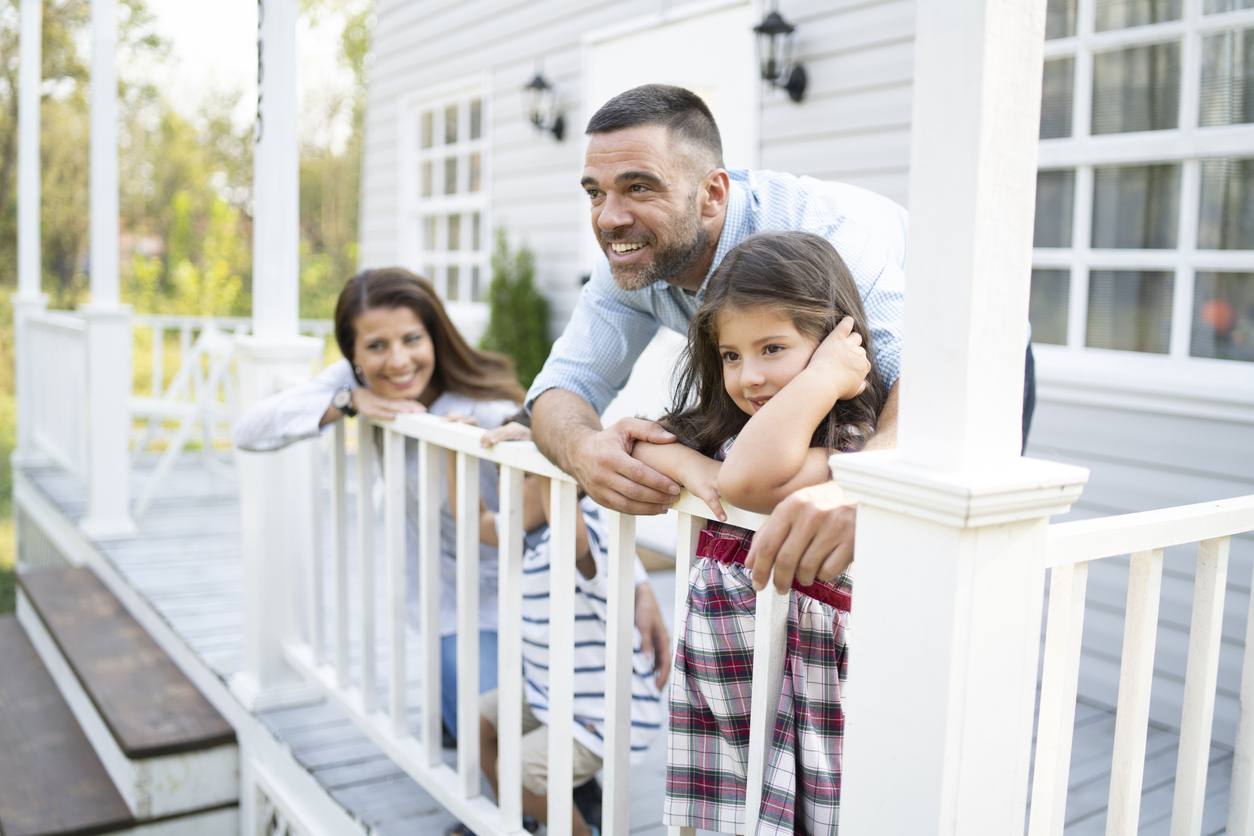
[
  {"x": 373, "y": 405},
  {"x": 842, "y": 357}
]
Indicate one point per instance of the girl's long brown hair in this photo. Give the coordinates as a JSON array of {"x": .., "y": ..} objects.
[
  {"x": 800, "y": 276},
  {"x": 480, "y": 375}
]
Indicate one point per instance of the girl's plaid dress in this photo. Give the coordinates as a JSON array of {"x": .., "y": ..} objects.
[{"x": 710, "y": 696}]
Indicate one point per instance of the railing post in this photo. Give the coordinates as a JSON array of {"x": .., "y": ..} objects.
[
  {"x": 951, "y": 530},
  {"x": 276, "y": 527},
  {"x": 109, "y": 421}
]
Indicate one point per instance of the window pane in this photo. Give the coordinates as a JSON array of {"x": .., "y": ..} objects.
[
  {"x": 1120, "y": 14},
  {"x": 1227, "y": 91},
  {"x": 1223, "y": 316},
  {"x": 476, "y": 290},
  {"x": 454, "y": 232},
  {"x": 1129, "y": 310},
  {"x": 454, "y": 276},
  {"x": 450, "y": 175},
  {"x": 428, "y": 234},
  {"x": 1057, "y": 95},
  {"x": 1216, "y": 6},
  {"x": 1047, "y": 310},
  {"x": 1136, "y": 89},
  {"x": 474, "y": 232},
  {"x": 1055, "y": 197},
  {"x": 476, "y": 162},
  {"x": 450, "y": 124},
  {"x": 476, "y": 118},
  {"x": 1136, "y": 207},
  {"x": 427, "y": 131},
  {"x": 1226, "y": 218},
  {"x": 425, "y": 189},
  {"x": 1059, "y": 19}
]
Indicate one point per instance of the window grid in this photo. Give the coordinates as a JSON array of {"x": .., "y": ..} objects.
[
  {"x": 1187, "y": 145},
  {"x": 446, "y": 156}
]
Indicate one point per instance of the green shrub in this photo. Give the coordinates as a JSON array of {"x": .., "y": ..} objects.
[{"x": 518, "y": 318}]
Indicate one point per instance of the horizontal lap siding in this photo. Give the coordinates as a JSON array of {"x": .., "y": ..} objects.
[
  {"x": 533, "y": 179},
  {"x": 854, "y": 125},
  {"x": 1139, "y": 462}
]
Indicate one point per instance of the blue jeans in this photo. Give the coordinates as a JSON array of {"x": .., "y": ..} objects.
[{"x": 448, "y": 674}]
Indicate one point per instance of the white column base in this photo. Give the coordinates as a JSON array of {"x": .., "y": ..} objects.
[
  {"x": 276, "y": 527},
  {"x": 109, "y": 422},
  {"x": 949, "y": 583}
]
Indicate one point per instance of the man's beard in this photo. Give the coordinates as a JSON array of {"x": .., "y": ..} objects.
[{"x": 669, "y": 262}]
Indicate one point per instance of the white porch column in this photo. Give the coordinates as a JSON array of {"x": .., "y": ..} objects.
[
  {"x": 28, "y": 300},
  {"x": 108, "y": 321},
  {"x": 951, "y": 529},
  {"x": 276, "y": 518}
]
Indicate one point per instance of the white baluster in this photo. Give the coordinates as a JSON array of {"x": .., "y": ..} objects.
[
  {"x": 688, "y": 532},
  {"x": 564, "y": 507},
  {"x": 621, "y": 581},
  {"x": 316, "y": 612},
  {"x": 509, "y": 650},
  {"x": 1241, "y": 795},
  {"x": 1136, "y": 675},
  {"x": 429, "y": 465},
  {"x": 1058, "y": 692},
  {"x": 1201, "y": 674},
  {"x": 394, "y": 522},
  {"x": 339, "y": 553},
  {"x": 468, "y": 624},
  {"x": 365, "y": 560},
  {"x": 770, "y": 639}
]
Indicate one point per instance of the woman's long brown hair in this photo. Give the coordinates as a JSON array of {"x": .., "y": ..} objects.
[
  {"x": 799, "y": 276},
  {"x": 480, "y": 375}
]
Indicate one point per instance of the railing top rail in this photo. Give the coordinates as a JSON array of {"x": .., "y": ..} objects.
[
  {"x": 1076, "y": 542},
  {"x": 65, "y": 320},
  {"x": 524, "y": 455}
]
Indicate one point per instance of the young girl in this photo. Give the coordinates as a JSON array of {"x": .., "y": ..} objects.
[{"x": 779, "y": 373}]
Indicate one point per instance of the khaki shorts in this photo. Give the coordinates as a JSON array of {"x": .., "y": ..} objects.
[{"x": 535, "y": 748}]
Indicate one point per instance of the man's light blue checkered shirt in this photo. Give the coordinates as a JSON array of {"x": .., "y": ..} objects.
[{"x": 610, "y": 326}]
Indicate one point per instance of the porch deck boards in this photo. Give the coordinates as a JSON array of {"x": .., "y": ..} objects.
[{"x": 185, "y": 561}]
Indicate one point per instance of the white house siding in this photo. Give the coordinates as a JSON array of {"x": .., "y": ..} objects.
[{"x": 853, "y": 126}]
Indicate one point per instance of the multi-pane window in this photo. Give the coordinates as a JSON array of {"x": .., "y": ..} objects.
[
  {"x": 1144, "y": 236},
  {"x": 448, "y": 204}
]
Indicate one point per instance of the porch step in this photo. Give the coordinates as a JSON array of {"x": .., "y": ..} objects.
[{"x": 167, "y": 750}]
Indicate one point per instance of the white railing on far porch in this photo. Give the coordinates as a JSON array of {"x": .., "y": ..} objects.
[
  {"x": 1144, "y": 536},
  {"x": 355, "y": 691},
  {"x": 56, "y": 358}
]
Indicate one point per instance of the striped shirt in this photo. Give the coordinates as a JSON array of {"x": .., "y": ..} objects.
[
  {"x": 590, "y": 631},
  {"x": 610, "y": 327}
]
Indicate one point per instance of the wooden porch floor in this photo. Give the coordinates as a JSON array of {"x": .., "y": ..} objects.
[{"x": 185, "y": 561}]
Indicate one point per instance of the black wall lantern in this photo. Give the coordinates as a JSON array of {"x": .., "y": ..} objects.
[
  {"x": 540, "y": 102},
  {"x": 775, "y": 55}
]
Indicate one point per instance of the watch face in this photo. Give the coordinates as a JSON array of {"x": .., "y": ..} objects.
[{"x": 342, "y": 398}]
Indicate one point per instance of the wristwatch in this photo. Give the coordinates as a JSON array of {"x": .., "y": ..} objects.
[{"x": 343, "y": 401}]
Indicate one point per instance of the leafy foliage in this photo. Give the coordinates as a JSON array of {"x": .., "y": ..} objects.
[{"x": 518, "y": 320}]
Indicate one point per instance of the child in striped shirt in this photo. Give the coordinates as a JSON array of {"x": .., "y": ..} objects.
[{"x": 591, "y": 610}]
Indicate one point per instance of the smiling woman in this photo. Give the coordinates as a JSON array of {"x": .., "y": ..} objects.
[{"x": 402, "y": 353}]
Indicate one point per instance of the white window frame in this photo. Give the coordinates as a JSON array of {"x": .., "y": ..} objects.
[
  {"x": 413, "y": 209},
  {"x": 1075, "y": 367}
]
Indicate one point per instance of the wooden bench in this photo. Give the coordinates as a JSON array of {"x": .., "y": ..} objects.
[{"x": 166, "y": 748}]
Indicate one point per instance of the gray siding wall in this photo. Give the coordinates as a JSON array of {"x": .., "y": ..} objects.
[{"x": 853, "y": 125}]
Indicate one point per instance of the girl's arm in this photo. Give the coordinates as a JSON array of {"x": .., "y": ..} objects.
[
  {"x": 698, "y": 473},
  {"x": 772, "y": 456}
]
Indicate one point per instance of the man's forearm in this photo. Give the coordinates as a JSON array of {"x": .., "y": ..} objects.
[
  {"x": 885, "y": 437},
  {"x": 558, "y": 417}
]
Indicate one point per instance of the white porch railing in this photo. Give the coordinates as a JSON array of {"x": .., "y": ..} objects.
[
  {"x": 56, "y": 357},
  {"x": 355, "y": 691},
  {"x": 1144, "y": 536}
]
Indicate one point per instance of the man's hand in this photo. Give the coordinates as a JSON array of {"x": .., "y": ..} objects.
[
  {"x": 809, "y": 535},
  {"x": 655, "y": 642},
  {"x": 567, "y": 430}
]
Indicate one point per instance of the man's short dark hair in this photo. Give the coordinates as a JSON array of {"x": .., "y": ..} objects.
[{"x": 681, "y": 111}]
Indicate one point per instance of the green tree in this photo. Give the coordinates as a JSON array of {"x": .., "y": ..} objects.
[{"x": 518, "y": 316}]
